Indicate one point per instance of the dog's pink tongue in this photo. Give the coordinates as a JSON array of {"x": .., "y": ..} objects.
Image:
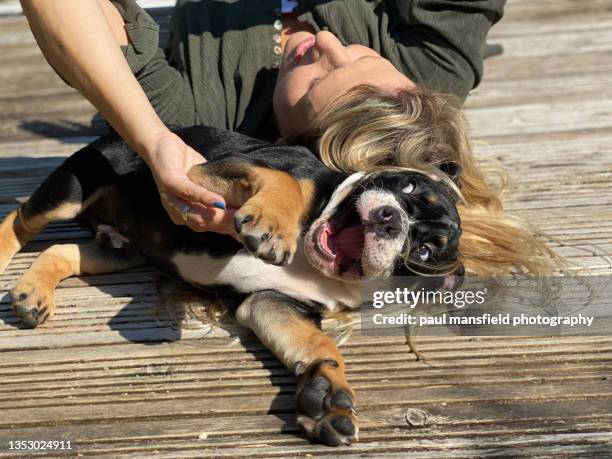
[{"x": 349, "y": 241}]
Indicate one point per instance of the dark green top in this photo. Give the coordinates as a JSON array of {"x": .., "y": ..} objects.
[{"x": 227, "y": 52}]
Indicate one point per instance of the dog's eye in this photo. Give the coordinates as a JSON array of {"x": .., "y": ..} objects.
[
  {"x": 424, "y": 253},
  {"x": 408, "y": 188}
]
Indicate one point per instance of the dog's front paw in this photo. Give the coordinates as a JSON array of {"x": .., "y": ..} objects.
[
  {"x": 31, "y": 304},
  {"x": 267, "y": 234},
  {"x": 325, "y": 406}
]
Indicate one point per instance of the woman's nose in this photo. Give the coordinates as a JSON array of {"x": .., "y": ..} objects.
[{"x": 331, "y": 49}]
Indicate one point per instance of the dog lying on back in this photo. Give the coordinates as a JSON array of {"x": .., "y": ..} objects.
[{"x": 310, "y": 240}]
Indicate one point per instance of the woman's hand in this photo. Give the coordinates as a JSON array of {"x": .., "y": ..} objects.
[{"x": 169, "y": 159}]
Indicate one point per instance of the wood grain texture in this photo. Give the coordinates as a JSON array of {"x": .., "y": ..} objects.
[{"x": 114, "y": 374}]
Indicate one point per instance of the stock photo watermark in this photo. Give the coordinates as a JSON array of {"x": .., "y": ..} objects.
[{"x": 518, "y": 305}]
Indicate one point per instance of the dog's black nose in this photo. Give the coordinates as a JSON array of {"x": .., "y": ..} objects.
[{"x": 387, "y": 222}]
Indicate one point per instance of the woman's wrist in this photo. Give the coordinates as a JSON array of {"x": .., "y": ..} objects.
[{"x": 148, "y": 144}]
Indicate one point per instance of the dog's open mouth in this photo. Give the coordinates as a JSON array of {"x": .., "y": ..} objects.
[{"x": 340, "y": 242}]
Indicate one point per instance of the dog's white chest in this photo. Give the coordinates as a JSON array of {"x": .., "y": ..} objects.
[{"x": 246, "y": 274}]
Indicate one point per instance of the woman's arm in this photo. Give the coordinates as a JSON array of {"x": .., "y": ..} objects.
[
  {"x": 441, "y": 43},
  {"x": 81, "y": 39}
]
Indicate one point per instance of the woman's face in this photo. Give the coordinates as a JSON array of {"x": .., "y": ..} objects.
[{"x": 316, "y": 69}]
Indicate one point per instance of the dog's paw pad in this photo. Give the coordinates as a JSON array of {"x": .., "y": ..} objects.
[
  {"x": 252, "y": 243},
  {"x": 31, "y": 306},
  {"x": 341, "y": 399},
  {"x": 326, "y": 412}
]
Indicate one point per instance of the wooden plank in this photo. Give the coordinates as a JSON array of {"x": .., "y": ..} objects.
[
  {"x": 221, "y": 432},
  {"x": 49, "y": 122},
  {"x": 513, "y": 25},
  {"x": 545, "y": 16},
  {"x": 121, "y": 408},
  {"x": 133, "y": 355},
  {"x": 560, "y": 43},
  {"x": 545, "y": 10},
  {"x": 40, "y": 148},
  {"x": 576, "y": 88},
  {"x": 166, "y": 381},
  {"x": 515, "y": 68},
  {"x": 468, "y": 363},
  {"x": 534, "y": 446},
  {"x": 553, "y": 117}
]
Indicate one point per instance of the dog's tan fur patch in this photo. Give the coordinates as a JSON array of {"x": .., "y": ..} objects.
[{"x": 12, "y": 238}]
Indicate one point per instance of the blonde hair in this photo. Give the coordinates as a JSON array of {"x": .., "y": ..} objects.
[{"x": 367, "y": 128}]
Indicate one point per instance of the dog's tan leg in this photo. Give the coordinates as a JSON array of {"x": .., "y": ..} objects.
[
  {"x": 272, "y": 205},
  {"x": 13, "y": 236},
  {"x": 22, "y": 224},
  {"x": 324, "y": 397},
  {"x": 33, "y": 295},
  {"x": 16, "y": 230}
]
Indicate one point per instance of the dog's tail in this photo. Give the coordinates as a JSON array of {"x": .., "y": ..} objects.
[{"x": 191, "y": 308}]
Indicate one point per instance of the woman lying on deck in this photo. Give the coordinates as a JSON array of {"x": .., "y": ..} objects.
[{"x": 364, "y": 83}]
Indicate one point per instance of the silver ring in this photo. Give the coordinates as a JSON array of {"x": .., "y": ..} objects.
[{"x": 185, "y": 213}]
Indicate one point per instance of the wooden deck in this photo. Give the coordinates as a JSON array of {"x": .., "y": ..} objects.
[{"x": 102, "y": 376}]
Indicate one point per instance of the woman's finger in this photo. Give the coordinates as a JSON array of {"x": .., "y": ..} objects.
[
  {"x": 185, "y": 189},
  {"x": 215, "y": 217},
  {"x": 197, "y": 217},
  {"x": 171, "y": 205},
  {"x": 210, "y": 219}
]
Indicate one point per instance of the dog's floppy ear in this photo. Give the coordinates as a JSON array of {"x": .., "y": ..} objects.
[{"x": 453, "y": 170}]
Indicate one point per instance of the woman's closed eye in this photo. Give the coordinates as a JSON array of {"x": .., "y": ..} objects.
[{"x": 313, "y": 82}]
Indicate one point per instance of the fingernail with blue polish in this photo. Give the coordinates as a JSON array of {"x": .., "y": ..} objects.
[{"x": 219, "y": 205}]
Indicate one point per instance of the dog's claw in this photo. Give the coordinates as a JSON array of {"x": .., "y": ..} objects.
[
  {"x": 264, "y": 236},
  {"x": 240, "y": 221}
]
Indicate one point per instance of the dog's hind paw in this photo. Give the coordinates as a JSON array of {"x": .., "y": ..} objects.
[
  {"x": 269, "y": 235},
  {"x": 32, "y": 305},
  {"x": 325, "y": 408}
]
